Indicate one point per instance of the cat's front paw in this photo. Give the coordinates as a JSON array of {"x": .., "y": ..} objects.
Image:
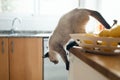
[{"x": 71, "y": 44}]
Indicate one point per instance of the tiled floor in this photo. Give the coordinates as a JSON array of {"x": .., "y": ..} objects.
[{"x": 54, "y": 71}]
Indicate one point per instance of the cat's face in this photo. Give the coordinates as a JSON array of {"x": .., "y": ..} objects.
[{"x": 52, "y": 55}]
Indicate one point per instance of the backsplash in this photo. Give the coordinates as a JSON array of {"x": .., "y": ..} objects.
[{"x": 39, "y": 23}]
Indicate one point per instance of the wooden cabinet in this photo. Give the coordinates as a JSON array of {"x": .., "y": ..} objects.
[
  {"x": 4, "y": 59},
  {"x": 22, "y": 58}
]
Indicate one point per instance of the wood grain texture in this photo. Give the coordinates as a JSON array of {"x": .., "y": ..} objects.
[
  {"x": 25, "y": 58},
  {"x": 4, "y": 63},
  {"x": 109, "y": 66}
]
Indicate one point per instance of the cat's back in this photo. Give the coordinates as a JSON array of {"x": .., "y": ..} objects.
[
  {"x": 72, "y": 19},
  {"x": 76, "y": 12}
]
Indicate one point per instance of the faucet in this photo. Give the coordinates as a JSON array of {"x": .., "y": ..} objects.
[{"x": 13, "y": 22}]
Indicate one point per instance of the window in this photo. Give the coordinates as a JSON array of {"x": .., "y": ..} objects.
[
  {"x": 17, "y": 6},
  {"x": 35, "y": 14},
  {"x": 49, "y": 7}
]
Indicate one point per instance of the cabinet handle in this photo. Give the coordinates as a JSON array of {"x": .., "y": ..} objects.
[
  {"x": 12, "y": 47},
  {"x": 2, "y": 43}
]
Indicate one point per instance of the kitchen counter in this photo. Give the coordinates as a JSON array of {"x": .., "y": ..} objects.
[
  {"x": 45, "y": 35},
  {"x": 108, "y": 66},
  {"x": 10, "y": 33}
]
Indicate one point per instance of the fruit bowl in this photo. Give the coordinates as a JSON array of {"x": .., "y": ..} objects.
[{"x": 97, "y": 45}]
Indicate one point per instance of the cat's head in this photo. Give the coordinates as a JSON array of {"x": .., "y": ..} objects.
[{"x": 52, "y": 55}]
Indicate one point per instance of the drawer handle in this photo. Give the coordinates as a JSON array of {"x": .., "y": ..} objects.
[
  {"x": 12, "y": 47},
  {"x": 2, "y": 43}
]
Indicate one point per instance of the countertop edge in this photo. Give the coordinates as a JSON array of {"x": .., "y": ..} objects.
[
  {"x": 96, "y": 66},
  {"x": 23, "y": 33},
  {"x": 18, "y": 36}
]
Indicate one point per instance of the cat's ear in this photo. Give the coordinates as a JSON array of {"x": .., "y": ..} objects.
[{"x": 46, "y": 55}]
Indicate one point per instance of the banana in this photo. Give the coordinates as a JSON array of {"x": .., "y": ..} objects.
[
  {"x": 115, "y": 32},
  {"x": 104, "y": 33}
]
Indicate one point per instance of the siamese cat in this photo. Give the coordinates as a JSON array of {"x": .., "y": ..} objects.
[{"x": 72, "y": 22}]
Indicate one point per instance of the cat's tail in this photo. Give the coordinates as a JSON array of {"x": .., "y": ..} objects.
[{"x": 99, "y": 17}]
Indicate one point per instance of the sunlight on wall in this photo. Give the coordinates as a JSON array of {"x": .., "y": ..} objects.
[
  {"x": 91, "y": 26},
  {"x": 57, "y": 7},
  {"x": 110, "y": 9},
  {"x": 92, "y": 23}
]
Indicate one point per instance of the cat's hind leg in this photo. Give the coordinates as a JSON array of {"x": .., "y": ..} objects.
[{"x": 63, "y": 55}]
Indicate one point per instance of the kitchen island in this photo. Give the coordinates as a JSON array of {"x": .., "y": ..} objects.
[{"x": 90, "y": 66}]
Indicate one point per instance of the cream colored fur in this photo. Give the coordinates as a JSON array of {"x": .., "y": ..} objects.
[{"x": 72, "y": 22}]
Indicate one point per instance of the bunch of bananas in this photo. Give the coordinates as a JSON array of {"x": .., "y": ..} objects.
[{"x": 113, "y": 32}]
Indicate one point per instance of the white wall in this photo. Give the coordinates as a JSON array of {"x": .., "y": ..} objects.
[
  {"x": 42, "y": 22},
  {"x": 46, "y": 16},
  {"x": 110, "y": 10}
]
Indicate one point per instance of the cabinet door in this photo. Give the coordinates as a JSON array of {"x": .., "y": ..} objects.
[
  {"x": 25, "y": 58},
  {"x": 79, "y": 70},
  {"x": 4, "y": 66}
]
